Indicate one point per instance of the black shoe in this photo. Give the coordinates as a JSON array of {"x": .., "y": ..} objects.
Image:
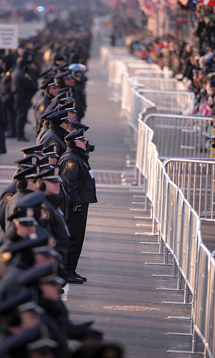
[
  {"x": 82, "y": 277},
  {"x": 23, "y": 139},
  {"x": 73, "y": 279}
]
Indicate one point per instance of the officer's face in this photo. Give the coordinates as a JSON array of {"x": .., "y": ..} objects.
[
  {"x": 29, "y": 319},
  {"x": 51, "y": 291},
  {"x": 52, "y": 188},
  {"x": 53, "y": 90},
  {"x": 41, "y": 259},
  {"x": 69, "y": 82},
  {"x": 52, "y": 161},
  {"x": 72, "y": 116},
  {"x": 23, "y": 230},
  {"x": 81, "y": 144}
]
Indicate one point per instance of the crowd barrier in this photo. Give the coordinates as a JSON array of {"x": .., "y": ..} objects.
[
  {"x": 174, "y": 219},
  {"x": 179, "y": 229},
  {"x": 170, "y": 101},
  {"x": 196, "y": 179},
  {"x": 187, "y": 135}
]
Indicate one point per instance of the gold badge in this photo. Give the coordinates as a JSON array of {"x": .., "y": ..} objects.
[
  {"x": 5, "y": 256},
  {"x": 8, "y": 73},
  {"x": 7, "y": 197},
  {"x": 70, "y": 165},
  {"x": 53, "y": 142},
  {"x": 42, "y": 108}
]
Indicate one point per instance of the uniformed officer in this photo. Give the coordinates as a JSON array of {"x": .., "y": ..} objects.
[
  {"x": 23, "y": 87},
  {"x": 57, "y": 131},
  {"x": 49, "y": 182},
  {"x": 50, "y": 89},
  {"x": 49, "y": 284},
  {"x": 80, "y": 187},
  {"x": 8, "y": 193},
  {"x": 25, "y": 185},
  {"x": 7, "y": 97}
]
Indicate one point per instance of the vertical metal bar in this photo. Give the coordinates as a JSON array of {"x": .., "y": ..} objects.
[
  {"x": 200, "y": 190},
  {"x": 206, "y": 190}
]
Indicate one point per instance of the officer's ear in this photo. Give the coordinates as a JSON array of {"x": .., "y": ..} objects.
[{"x": 42, "y": 186}]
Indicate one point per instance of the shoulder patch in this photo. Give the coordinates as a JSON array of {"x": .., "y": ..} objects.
[
  {"x": 70, "y": 165},
  {"x": 42, "y": 108},
  {"x": 7, "y": 197},
  {"x": 46, "y": 215},
  {"x": 8, "y": 73},
  {"x": 53, "y": 142}
]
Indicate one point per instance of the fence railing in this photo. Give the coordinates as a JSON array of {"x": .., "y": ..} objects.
[
  {"x": 177, "y": 223},
  {"x": 166, "y": 101},
  {"x": 187, "y": 135},
  {"x": 179, "y": 229},
  {"x": 196, "y": 179}
]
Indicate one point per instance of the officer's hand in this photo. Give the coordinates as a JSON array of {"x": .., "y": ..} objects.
[{"x": 77, "y": 208}]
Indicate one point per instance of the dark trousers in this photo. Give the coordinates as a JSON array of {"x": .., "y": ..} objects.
[
  {"x": 22, "y": 106},
  {"x": 10, "y": 120},
  {"x": 76, "y": 224}
]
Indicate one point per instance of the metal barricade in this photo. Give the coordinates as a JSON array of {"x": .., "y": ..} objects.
[
  {"x": 186, "y": 135},
  {"x": 200, "y": 301},
  {"x": 196, "y": 179},
  {"x": 157, "y": 72},
  {"x": 177, "y": 102},
  {"x": 139, "y": 105},
  {"x": 156, "y": 82}
]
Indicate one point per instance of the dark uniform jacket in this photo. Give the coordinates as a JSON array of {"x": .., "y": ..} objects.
[
  {"x": 78, "y": 178},
  {"x": 55, "y": 224},
  {"x": 4, "y": 199},
  {"x": 54, "y": 135},
  {"x": 22, "y": 83},
  {"x": 12, "y": 204},
  {"x": 39, "y": 109}
]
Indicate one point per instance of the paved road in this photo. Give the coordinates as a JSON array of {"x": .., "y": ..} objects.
[{"x": 121, "y": 293}]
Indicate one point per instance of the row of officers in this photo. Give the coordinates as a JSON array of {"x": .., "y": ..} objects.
[
  {"x": 43, "y": 219},
  {"x": 22, "y": 84}
]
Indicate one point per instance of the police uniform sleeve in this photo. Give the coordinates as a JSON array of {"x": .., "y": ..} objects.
[{"x": 70, "y": 174}]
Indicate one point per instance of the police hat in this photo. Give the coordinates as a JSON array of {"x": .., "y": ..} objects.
[
  {"x": 24, "y": 217},
  {"x": 28, "y": 161},
  {"x": 44, "y": 162},
  {"x": 42, "y": 244},
  {"x": 31, "y": 199},
  {"x": 29, "y": 339},
  {"x": 65, "y": 75},
  {"x": 59, "y": 57},
  {"x": 78, "y": 125},
  {"x": 46, "y": 73},
  {"x": 67, "y": 99},
  {"x": 33, "y": 149},
  {"x": 69, "y": 106},
  {"x": 50, "y": 174},
  {"x": 27, "y": 173},
  {"x": 34, "y": 274},
  {"x": 59, "y": 115},
  {"x": 14, "y": 301},
  {"x": 79, "y": 135},
  {"x": 49, "y": 81},
  {"x": 51, "y": 151},
  {"x": 47, "y": 113}
]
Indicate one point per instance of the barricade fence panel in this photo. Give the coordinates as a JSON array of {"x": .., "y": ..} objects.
[
  {"x": 176, "y": 102},
  {"x": 179, "y": 225},
  {"x": 196, "y": 180},
  {"x": 200, "y": 293},
  {"x": 210, "y": 315},
  {"x": 187, "y": 135}
]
